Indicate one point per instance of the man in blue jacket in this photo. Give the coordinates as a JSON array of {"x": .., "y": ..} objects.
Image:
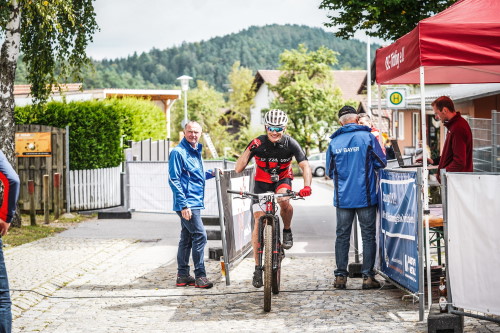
[
  {"x": 187, "y": 180},
  {"x": 11, "y": 185},
  {"x": 352, "y": 159}
]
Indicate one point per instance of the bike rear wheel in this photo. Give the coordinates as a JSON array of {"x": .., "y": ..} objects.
[{"x": 268, "y": 266}]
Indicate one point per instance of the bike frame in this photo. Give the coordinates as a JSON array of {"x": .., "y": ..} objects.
[
  {"x": 273, "y": 258},
  {"x": 269, "y": 217}
]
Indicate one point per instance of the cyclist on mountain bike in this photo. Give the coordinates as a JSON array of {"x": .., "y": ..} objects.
[{"x": 273, "y": 154}]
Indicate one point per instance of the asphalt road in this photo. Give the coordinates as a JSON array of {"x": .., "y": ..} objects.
[
  {"x": 314, "y": 221},
  {"x": 313, "y": 224},
  {"x": 119, "y": 276}
]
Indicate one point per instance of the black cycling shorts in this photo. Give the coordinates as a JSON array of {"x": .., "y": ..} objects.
[{"x": 263, "y": 187}]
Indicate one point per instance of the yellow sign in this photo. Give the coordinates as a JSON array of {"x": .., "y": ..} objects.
[
  {"x": 396, "y": 98},
  {"x": 33, "y": 144}
]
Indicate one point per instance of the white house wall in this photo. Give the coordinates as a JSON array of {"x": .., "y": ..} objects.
[
  {"x": 27, "y": 100},
  {"x": 262, "y": 99}
]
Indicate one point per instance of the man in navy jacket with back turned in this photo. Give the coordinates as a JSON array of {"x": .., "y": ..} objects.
[{"x": 352, "y": 159}]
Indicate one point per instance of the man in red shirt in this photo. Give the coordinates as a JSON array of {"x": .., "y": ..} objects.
[{"x": 456, "y": 155}]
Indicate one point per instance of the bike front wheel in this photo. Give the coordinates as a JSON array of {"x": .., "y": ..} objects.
[{"x": 268, "y": 266}]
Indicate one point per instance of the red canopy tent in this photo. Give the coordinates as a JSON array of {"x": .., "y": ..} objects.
[{"x": 459, "y": 45}]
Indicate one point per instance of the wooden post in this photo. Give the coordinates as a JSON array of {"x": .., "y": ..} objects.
[
  {"x": 46, "y": 203},
  {"x": 57, "y": 190},
  {"x": 31, "y": 193}
]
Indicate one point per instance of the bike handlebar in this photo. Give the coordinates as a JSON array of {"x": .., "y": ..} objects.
[{"x": 292, "y": 194}]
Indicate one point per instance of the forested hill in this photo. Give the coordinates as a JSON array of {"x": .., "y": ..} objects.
[{"x": 256, "y": 48}]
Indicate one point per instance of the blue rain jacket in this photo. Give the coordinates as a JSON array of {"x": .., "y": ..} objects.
[
  {"x": 352, "y": 158},
  {"x": 187, "y": 176}
]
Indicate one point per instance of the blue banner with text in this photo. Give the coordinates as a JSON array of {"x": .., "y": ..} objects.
[{"x": 398, "y": 241}]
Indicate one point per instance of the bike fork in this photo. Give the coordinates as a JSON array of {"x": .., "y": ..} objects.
[
  {"x": 276, "y": 243},
  {"x": 261, "y": 240}
]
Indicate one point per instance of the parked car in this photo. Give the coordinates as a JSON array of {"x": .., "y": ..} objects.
[{"x": 318, "y": 164}]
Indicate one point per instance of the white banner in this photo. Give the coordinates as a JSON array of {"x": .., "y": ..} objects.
[
  {"x": 474, "y": 241},
  {"x": 150, "y": 192}
]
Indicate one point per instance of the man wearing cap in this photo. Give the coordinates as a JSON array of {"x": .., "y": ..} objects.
[{"x": 352, "y": 159}]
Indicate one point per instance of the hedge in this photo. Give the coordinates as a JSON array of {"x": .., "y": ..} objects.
[{"x": 96, "y": 127}]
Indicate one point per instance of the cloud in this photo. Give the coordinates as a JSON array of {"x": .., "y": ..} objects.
[{"x": 137, "y": 26}]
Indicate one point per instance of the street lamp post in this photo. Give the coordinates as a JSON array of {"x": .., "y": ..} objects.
[{"x": 185, "y": 86}]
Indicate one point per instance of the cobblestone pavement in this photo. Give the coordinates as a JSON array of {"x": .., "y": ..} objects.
[{"x": 123, "y": 285}]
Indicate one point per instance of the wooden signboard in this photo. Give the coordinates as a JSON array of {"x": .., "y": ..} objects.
[{"x": 33, "y": 144}]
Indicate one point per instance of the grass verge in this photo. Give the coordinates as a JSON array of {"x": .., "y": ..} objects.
[{"x": 28, "y": 233}]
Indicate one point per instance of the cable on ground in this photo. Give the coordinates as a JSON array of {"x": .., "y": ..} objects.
[{"x": 180, "y": 295}]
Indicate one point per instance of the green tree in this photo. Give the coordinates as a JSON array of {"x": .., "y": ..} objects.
[
  {"x": 48, "y": 34},
  {"x": 206, "y": 106},
  {"x": 242, "y": 92},
  {"x": 96, "y": 127},
  {"x": 307, "y": 93},
  {"x": 52, "y": 36},
  {"x": 241, "y": 140},
  {"x": 211, "y": 61},
  {"x": 386, "y": 19}
]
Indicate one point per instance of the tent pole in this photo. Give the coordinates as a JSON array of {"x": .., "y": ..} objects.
[
  {"x": 369, "y": 77},
  {"x": 425, "y": 179},
  {"x": 379, "y": 96}
]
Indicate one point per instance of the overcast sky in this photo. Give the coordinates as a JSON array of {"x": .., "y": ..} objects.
[{"x": 130, "y": 25}]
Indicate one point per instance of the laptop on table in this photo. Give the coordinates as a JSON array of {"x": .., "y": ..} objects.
[{"x": 400, "y": 159}]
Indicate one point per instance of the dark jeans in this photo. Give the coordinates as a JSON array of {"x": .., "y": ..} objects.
[
  {"x": 367, "y": 220},
  {"x": 193, "y": 239},
  {"x": 5, "y": 303}
]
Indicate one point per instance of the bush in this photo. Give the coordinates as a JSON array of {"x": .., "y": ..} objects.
[
  {"x": 96, "y": 127},
  {"x": 141, "y": 119}
]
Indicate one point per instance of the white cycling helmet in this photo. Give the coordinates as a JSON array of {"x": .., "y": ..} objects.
[{"x": 276, "y": 117}]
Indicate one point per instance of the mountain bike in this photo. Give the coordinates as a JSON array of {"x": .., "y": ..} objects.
[{"x": 269, "y": 240}]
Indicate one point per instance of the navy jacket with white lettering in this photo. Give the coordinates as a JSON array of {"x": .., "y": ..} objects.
[{"x": 352, "y": 158}]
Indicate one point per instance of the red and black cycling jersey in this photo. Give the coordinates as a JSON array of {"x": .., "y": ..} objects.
[{"x": 276, "y": 157}]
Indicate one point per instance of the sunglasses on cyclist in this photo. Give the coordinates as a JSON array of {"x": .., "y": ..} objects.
[{"x": 275, "y": 129}]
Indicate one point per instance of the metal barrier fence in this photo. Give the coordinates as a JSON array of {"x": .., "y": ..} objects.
[
  {"x": 236, "y": 220},
  {"x": 147, "y": 150},
  {"x": 148, "y": 189},
  {"x": 470, "y": 232},
  {"x": 486, "y": 140},
  {"x": 400, "y": 237},
  {"x": 394, "y": 163}
]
